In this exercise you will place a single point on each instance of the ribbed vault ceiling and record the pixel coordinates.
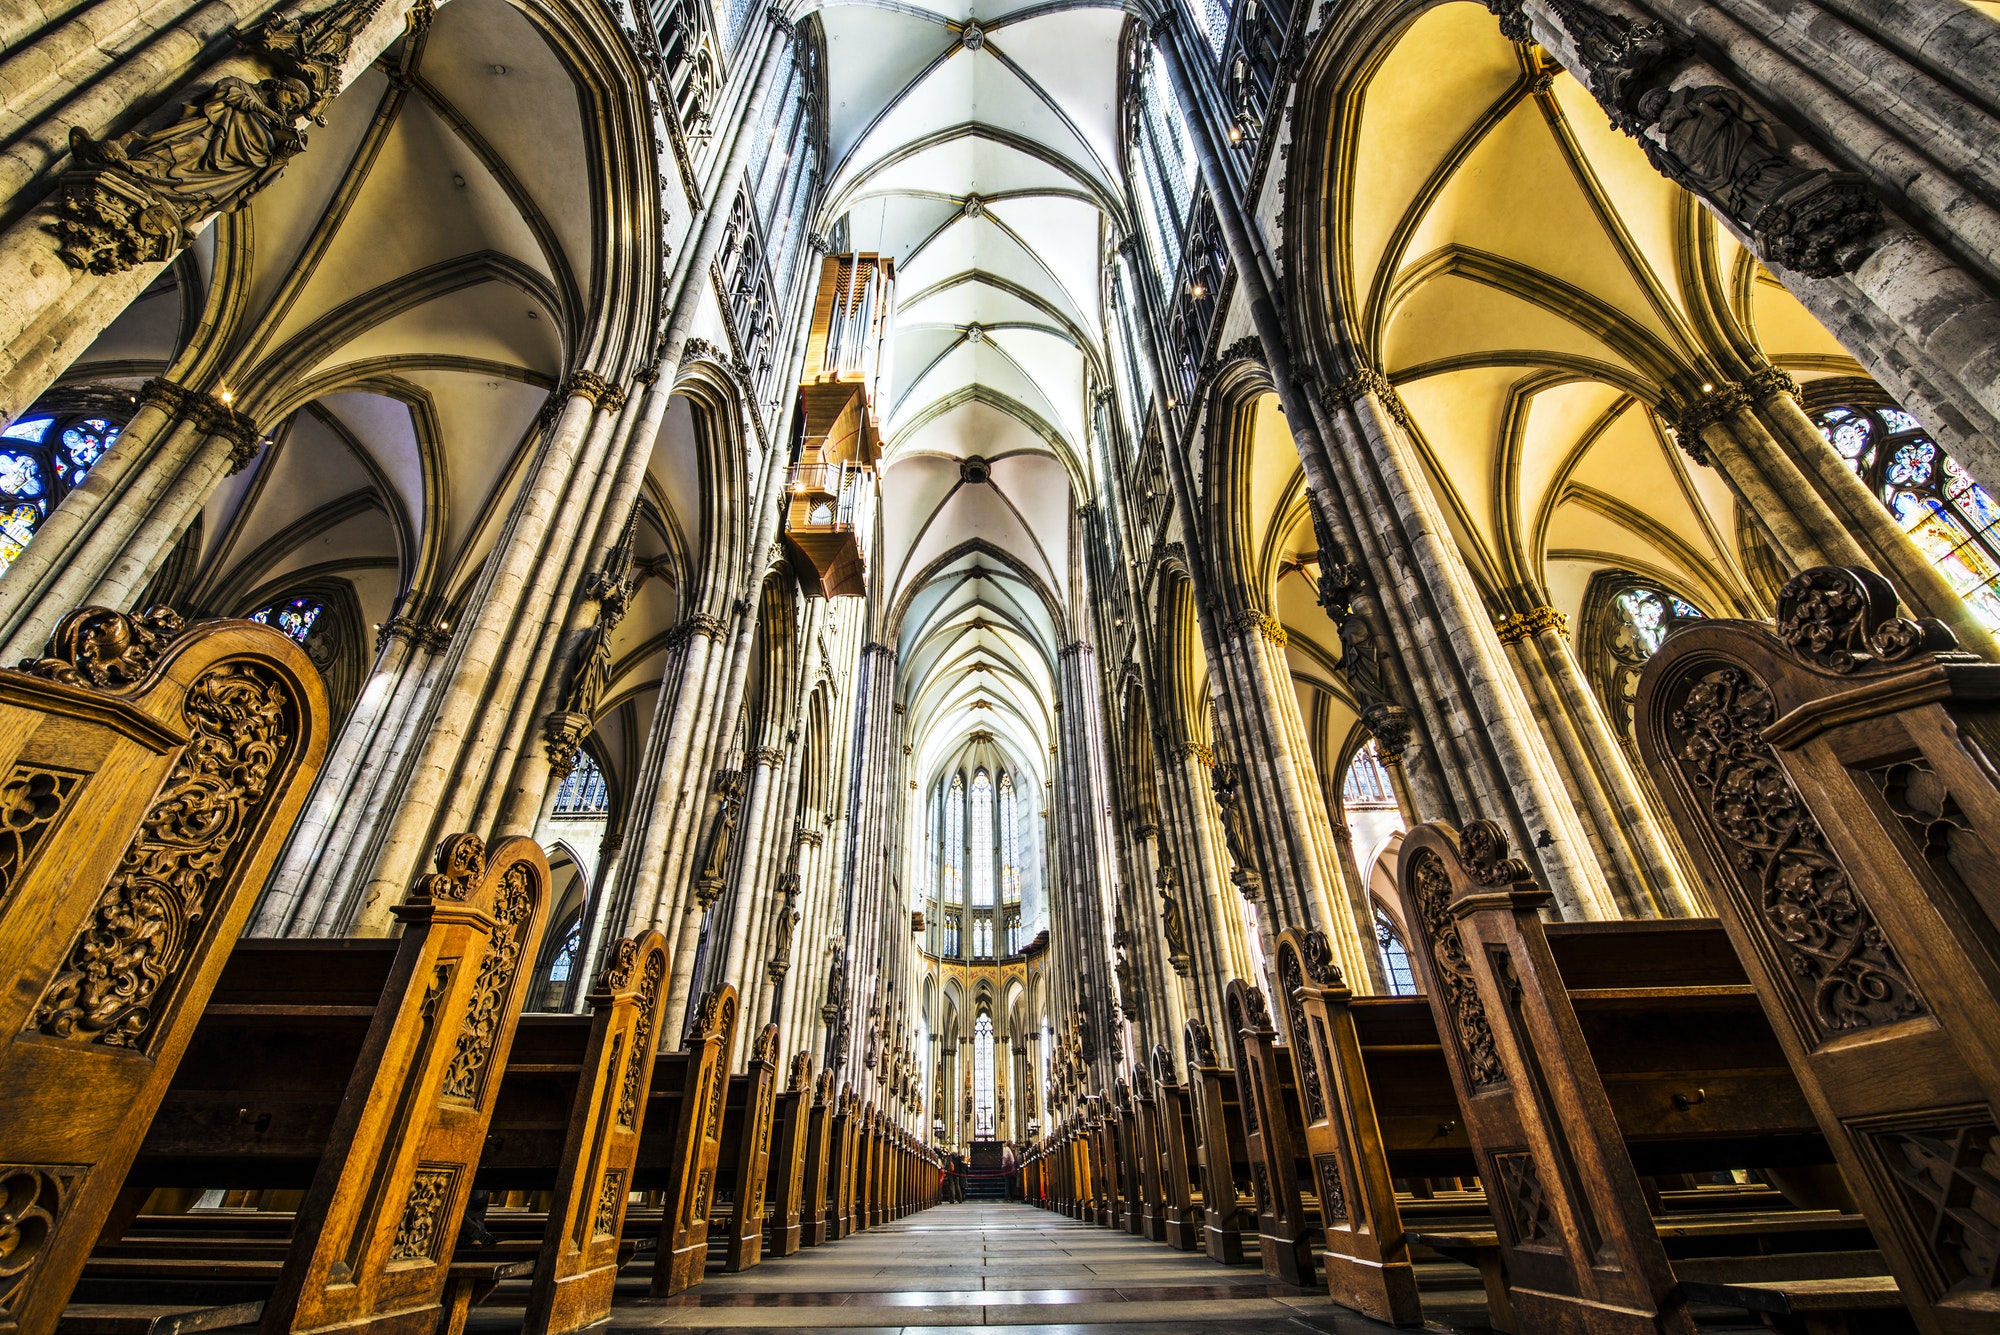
(978, 145)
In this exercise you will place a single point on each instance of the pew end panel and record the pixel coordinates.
(696, 1145)
(580, 1256)
(1574, 1230)
(151, 772)
(372, 1249)
(1366, 1259)
(1833, 777)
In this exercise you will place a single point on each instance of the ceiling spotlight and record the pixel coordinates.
(1707, 387)
(1197, 291)
(1235, 134)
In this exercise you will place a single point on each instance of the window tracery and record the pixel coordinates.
(952, 873)
(1626, 620)
(982, 1076)
(583, 792)
(980, 854)
(1395, 956)
(43, 457)
(1950, 517)
(296, 617)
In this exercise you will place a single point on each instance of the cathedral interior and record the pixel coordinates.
(1119, 666)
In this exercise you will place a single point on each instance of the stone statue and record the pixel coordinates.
(715, 857)
(1172, 924)
(1225, 781)
(1712, 141)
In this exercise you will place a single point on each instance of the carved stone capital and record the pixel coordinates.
(1367, 383)
(1524, 625)
(1714, 405)
(1772, 382)
(587, 385)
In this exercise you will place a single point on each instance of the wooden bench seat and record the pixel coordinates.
(1585, 1055)
(317, 1061)
(156, 1318)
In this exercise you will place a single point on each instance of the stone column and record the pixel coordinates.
(1488, 743)
(1638, 862)
(302, 897)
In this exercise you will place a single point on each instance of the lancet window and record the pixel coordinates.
(982, 1076)
(583, 793)
(951, 874)
(1626, 620)
(1395, 956)
(981, 855)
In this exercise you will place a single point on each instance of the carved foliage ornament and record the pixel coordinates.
(642, 1039)
(1292, 975)
(1846, 975)
(1454, 971)
(1843, 618)
(513, 914)
(122, 969)
(140, 197)
(32, 1199)
(97, 647)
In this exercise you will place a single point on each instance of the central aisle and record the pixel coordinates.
(996, 1265)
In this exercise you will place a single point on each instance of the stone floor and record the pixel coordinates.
(985, 1265)
(1015, 1266)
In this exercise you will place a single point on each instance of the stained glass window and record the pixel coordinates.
(583, 792)
(953, 852)
(1010, 844)
(980, 852)
(1626, 630)
(1395, 958)
(295, 617)
(565, 959)
(982, 1076)
(1949, 516)
(1167, 166)
(42, 458)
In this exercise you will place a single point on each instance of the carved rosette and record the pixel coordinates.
(124, 966)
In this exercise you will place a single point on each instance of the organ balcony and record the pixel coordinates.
(829, 523)
(830, 491)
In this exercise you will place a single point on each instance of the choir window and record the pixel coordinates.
(1010, 845)
(981, 856)
(953, 850)
(982, 1076)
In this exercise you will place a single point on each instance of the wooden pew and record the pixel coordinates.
(1131, 1184)
(1149, 1219)
(743, 1161)
(1267, 1090)
(1222, 1152)
(1832, 776)
(1181, 1218)
(151, 772)
(367, 1072)
(1376, 1102)
(684, 1164)
(1695, 1080)
(840, 1164)
(791, 1119)
(569, 1120)
(816, 1205)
